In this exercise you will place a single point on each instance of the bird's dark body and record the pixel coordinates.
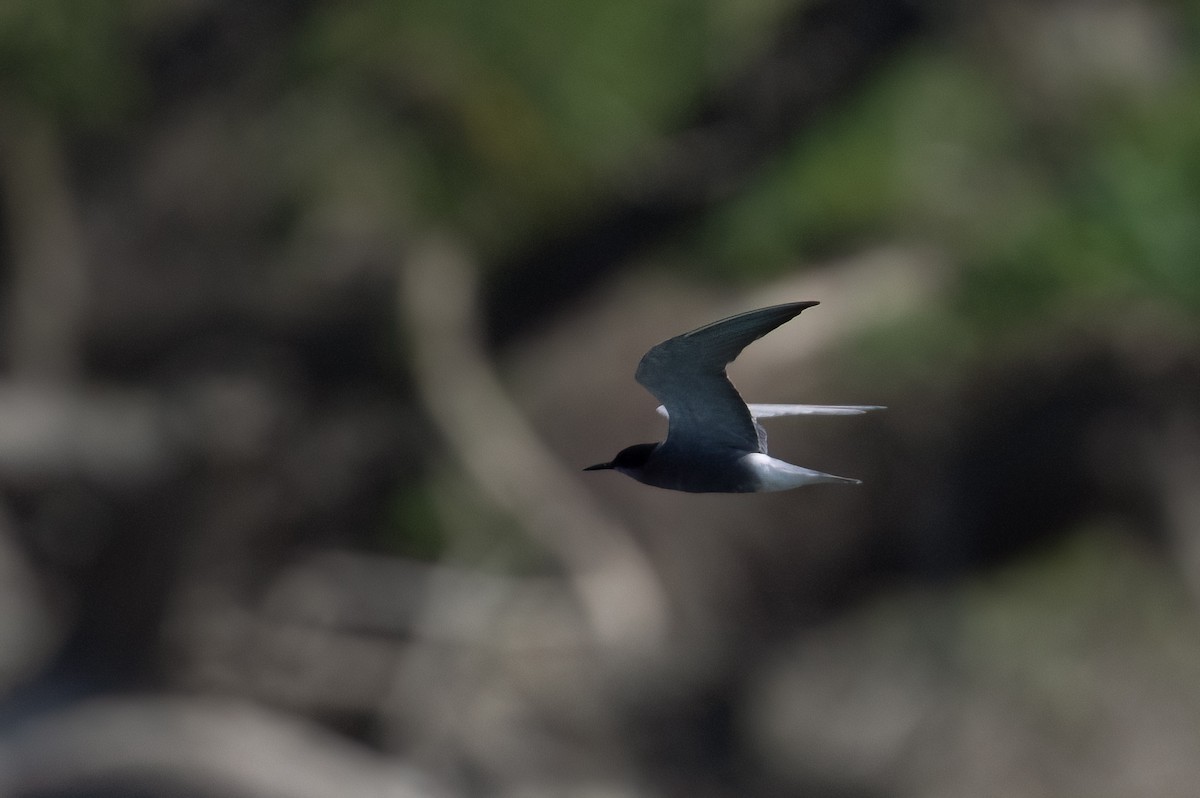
(714, 444)
(710, 471)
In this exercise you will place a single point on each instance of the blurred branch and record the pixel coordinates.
(202, 747)
(48, 432)
(1175, 453)
(621, 594)
(358, 618)
(29, 630)
(49, 291)
(872, 289)
(390, 597)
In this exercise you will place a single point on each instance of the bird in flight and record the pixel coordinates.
(714, 441)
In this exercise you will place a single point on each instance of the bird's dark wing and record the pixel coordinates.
(687, 374)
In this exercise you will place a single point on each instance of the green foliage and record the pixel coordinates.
(414, 529)
(1145, 172)
(916, 152)
(1047, 214)
(70, 57)
(502, 121)
(526, 110)
(524, 105)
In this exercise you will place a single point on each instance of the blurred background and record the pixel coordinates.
(312, 312)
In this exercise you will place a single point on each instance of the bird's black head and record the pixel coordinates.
(631, 458)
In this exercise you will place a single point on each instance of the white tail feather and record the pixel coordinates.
(776, 411)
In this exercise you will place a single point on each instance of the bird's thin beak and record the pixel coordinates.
(599, 467)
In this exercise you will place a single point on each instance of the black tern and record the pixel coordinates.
(714, 441)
